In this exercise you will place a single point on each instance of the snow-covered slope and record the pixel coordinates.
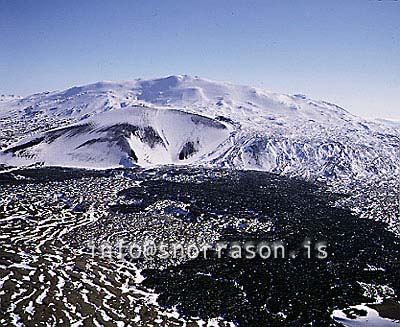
(224, 125)
(135, 135)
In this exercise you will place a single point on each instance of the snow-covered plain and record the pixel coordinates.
(225, 125)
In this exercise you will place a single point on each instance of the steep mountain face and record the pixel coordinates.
(181, 119)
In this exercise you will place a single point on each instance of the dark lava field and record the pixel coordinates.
(54, 221)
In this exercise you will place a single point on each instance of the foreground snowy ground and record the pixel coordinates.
(370, 319)
(46, 281)
(50, 276)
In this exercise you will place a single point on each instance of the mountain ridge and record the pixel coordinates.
(286, 134)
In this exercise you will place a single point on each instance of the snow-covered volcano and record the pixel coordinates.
(186, 120)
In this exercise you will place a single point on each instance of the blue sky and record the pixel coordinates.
(347, 52)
